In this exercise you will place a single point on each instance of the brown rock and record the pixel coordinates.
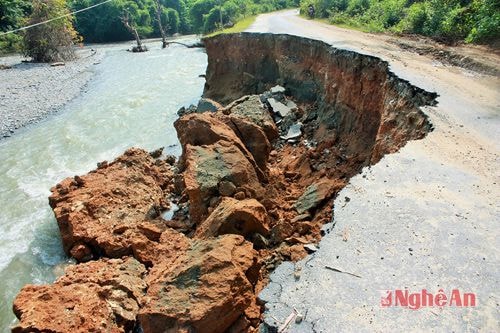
(254, 138)
(253, 110)
(170, 246)
(239, 195)
(226, 188)
(203, 290)
(242, 217)
(208, 165)
(81, 252)
(99, 296)
(102, 210)
(201, 129)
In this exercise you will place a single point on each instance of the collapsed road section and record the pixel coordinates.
(187, 245)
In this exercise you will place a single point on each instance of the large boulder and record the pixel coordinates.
(204, 289)
(254, 138)
(246, 217)
(99, 296)
(101, 212)
(251, 108)
(208, 166)
(201, 129)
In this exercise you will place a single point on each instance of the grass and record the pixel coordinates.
(240, 26)
(350, 26)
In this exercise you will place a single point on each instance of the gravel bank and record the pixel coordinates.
(29, 92)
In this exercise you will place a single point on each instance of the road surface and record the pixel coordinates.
(423, 218)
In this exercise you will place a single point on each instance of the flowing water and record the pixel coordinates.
(131, 101)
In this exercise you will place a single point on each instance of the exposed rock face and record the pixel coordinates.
(205, 289)
(207, 129)
(368, 108)
(194, 285)
(207, 166)
(213, 153)
(99, 296)
(101, 212)
(250, 108)
(246, 217)
(255, 139)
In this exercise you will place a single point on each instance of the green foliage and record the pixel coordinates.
(172, 20)
(13, 15)
(357, 7)
(198, 11)
(52, 41)
(485, 21)
(445, 20)
(414, 21)
(10, 43)
(325, 8)
(240, 26)
(104, 23)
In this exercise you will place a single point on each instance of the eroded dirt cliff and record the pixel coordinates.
(356, 101)
(194, 241)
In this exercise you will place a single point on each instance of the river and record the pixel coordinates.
(131, 101)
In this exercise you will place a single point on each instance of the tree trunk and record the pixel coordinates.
(133, 31)
(160, 26)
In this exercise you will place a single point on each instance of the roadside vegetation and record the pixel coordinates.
(240, 26)
(449, 21)
(105, 23)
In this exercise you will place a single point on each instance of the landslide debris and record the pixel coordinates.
(98, 296)
(194, 241)
(103, 212)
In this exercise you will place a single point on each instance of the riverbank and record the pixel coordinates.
(29, 92)
(131, 100)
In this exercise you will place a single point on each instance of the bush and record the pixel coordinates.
(414, 20)
(357, 7)
(52, 41)
(10, 43)
(485, 25)
(445, 20)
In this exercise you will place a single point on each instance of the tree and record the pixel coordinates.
(52, 41)
(132, 29)
(159, 11)
(12, 13)
(12, 16)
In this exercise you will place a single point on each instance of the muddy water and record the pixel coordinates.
(132, 101)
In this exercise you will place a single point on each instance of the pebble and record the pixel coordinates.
(32, 91)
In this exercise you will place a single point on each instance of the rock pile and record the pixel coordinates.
(249, 192)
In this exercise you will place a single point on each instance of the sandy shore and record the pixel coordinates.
(29, 92)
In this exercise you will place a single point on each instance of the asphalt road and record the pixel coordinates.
(423, 218)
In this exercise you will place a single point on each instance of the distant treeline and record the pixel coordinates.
(103, 23)
(475, 21)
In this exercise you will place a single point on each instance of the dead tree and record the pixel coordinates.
(164, 42)
(126, 22)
